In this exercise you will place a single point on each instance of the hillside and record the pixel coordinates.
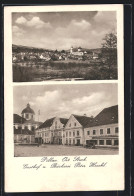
(18, 48)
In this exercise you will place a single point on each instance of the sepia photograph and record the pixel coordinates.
(58, 120)
(64, 46)
(63, 98)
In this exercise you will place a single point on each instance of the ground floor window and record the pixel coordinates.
(69, 141)
(66, 141)
(95, 142)
(116, 142)
(73, 142)
(101, 142)
(108, 142)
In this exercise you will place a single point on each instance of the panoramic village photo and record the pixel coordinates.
(65, 120)
(64, 46)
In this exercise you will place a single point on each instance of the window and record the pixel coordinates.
(52, 134)
(59, 133)
(101, 142)
(69, 141)
(69, 133)
(108, 130)
(27, 115)
(73, 133)
(70, 125)
(88, 132)
(66, 134)
(101, 131)
(108, 142)
(94, 132)
(116, 130)
(95, 142)
(77, 133)
(75, 124)
(66, 141)
(73, 142)
(32, 116)
(116, 142)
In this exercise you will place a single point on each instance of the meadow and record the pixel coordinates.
(63, 70)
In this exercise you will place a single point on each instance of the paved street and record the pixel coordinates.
(58, 150)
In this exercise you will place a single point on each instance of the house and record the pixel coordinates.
(103, 129)
(76, 51)
(95, 55)
(74, 129)
(51, 131)
(23, 135)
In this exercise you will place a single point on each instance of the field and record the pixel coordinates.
(63, 70)
(59, 150)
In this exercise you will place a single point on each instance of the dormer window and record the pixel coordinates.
(70, 125)
(75, 124)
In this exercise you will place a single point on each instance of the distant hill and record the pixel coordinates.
(20, 47)
(28, 48)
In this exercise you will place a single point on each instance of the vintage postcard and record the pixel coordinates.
(64, 98)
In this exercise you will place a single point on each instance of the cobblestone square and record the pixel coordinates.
(59, 150)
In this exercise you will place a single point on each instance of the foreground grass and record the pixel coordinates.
(49, 71)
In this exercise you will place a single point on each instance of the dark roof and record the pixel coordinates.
(83, 120)
(24, 131)
(47, 123)
(32, 121)
(63, 120)
(27, 110)
(18, 119)
(106, 116)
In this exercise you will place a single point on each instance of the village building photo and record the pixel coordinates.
(64, 120)
(64, 46)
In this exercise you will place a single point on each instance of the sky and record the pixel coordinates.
(61, 30)
(64, 99)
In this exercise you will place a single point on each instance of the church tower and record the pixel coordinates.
(28, 113)
(71, 50)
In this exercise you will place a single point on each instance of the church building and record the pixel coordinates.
(25, 125)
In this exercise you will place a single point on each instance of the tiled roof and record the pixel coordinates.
(23, 131)
(18, 119)
(63, 120)
(32, 121)
(106, 116)
(47, 123)
(83, 120)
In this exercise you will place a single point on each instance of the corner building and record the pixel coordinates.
(103, 130)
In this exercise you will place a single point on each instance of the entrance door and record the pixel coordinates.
(78, 142)
(60, 141)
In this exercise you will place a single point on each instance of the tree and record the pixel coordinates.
(109, 51)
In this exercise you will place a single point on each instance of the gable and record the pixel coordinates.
(57, 124)
(72, 123)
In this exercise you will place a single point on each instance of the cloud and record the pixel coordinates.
(80, 24)
(17, 30)
(21, 20)
(34, 22)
